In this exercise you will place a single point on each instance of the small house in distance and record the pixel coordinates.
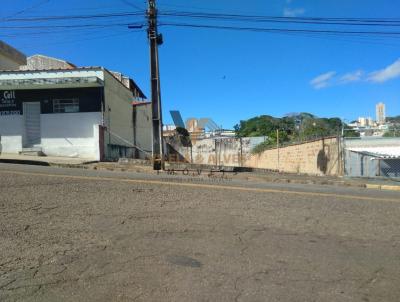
(68, 111)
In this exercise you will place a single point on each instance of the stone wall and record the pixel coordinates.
(224, 151)
(319, 157)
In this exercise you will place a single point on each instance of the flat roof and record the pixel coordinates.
(392, 152)
(74, 69)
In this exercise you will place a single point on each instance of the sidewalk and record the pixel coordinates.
(42, 160)
(141, 166)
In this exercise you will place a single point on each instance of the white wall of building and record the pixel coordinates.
(11, 130)
(71, 134)
(62, 134)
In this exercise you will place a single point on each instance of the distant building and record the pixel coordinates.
(10, 58)
(380, 113)
(41, 62)
(365, 122)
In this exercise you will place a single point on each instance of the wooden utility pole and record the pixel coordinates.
(155, 39)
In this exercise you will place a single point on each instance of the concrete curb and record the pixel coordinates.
(383, 187)
(144, 169)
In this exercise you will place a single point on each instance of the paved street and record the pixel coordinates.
(78, 235)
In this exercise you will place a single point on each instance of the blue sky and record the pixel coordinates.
(230, 75)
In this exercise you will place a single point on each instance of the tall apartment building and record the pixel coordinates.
(380, 113)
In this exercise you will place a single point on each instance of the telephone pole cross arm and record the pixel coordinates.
(155, 39)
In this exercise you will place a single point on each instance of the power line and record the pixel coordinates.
(26, 9)
(130, 4)
(72, 26)
(259, 29)
(228, 17)
(258, 19)
(261, 17)
(76, 17)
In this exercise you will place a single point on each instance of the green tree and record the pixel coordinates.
(393, 132)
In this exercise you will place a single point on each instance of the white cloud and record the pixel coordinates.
(293, 12)
(386, 74)
(354, 76)
(323, 80)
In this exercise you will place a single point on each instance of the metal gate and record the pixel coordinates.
(32, 124)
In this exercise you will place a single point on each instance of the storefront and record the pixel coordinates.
(74, 113)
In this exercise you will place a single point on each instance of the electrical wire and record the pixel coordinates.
(265, 17)
(260, 29)
(25, 10)
(76, 17)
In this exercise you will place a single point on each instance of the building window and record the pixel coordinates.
(66, 105)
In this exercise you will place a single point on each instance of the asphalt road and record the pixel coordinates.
(77, 235)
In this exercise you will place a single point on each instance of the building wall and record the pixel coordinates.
(71, 134)
(11, 130)
(40, 62)
(75, 134)
(372, 142)
(7, 63)
(10, 58)
(89, 98)
(62, 134)
(118, 115)
(143, 130)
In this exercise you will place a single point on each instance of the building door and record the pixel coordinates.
(32, 124)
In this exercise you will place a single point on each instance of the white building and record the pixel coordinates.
(81, 112)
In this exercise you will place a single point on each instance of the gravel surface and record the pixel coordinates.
(66, 237)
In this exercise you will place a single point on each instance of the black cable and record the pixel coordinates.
(77, 17)
(25, 10)
(71, 26)
(180, 13)
(259, 29)
(281, 20)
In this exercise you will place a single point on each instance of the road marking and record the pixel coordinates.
(203, 186)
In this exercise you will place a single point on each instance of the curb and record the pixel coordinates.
(383, 187)
(24, 162)
(254, 177)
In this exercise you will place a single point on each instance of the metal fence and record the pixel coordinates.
(367, 158)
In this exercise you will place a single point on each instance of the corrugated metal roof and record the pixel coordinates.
(379, 152)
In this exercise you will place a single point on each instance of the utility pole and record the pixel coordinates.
(155, 39)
